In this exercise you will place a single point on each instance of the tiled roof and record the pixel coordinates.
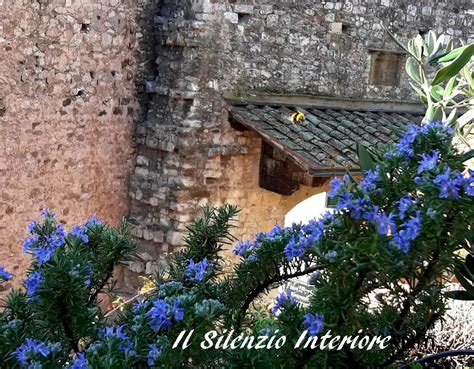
(325, 143)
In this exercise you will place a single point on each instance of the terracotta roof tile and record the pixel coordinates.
(326, 140)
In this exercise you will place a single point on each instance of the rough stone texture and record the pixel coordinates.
(68, 102)
(189, 154)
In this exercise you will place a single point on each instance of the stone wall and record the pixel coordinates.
(68, 102)
(188, 154)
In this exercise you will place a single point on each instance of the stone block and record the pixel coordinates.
(158, 236)
(142, 160)
(243, 9)
(266, 9)
(174, 238)
(142, 172)
(136, 266)
(147, 235)
(231, 17)
(335, 27)
(152, 267)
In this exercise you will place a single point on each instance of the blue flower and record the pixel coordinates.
(161, 313)
(413, 226)
(93, 221)
(47, 213)
(274, 233)
(30, 243)
(407, 233)
(440, 129)
(43, 254)
(428, 162)
(293, 249)
(117, 332)
(197, 271)
(469, 184)
(418, 180)
(154, 354)
(32, 347)
(335, 185)
(404, 205)
(178, 313)
(345, 201)
(243, 247)
(283, 299)
(404, 147)
(32, 283)
(31, 228)
(80, 362)
(370, 180)
(370, 213)
(4, 275)
(449, 184)
(80, 233)
(314, 324)
(385, 224)
(359, 208)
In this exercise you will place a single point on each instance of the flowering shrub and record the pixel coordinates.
(378, 267)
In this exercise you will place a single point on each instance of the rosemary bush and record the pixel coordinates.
(393, 239)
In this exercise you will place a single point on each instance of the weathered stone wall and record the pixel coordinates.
(324, 47)
(188, 154)
(68, 101)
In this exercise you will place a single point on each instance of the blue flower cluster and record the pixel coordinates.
(405, 148)
(362, 208)
(197, 271)
(43, 246)
(273, 235)
(337, 186)
(80, 362)
(308, 235)
(162, 312)
(283, 299)
(370, 180)
(32, 350)
(154, 354)
(313, 323)
(80, 233)
(245, 249)
(449, 184)
(33, 283)
(117, 333)
(408, 232)
(385, 223)
(93, 221)
(428, 162)
(4, 274)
